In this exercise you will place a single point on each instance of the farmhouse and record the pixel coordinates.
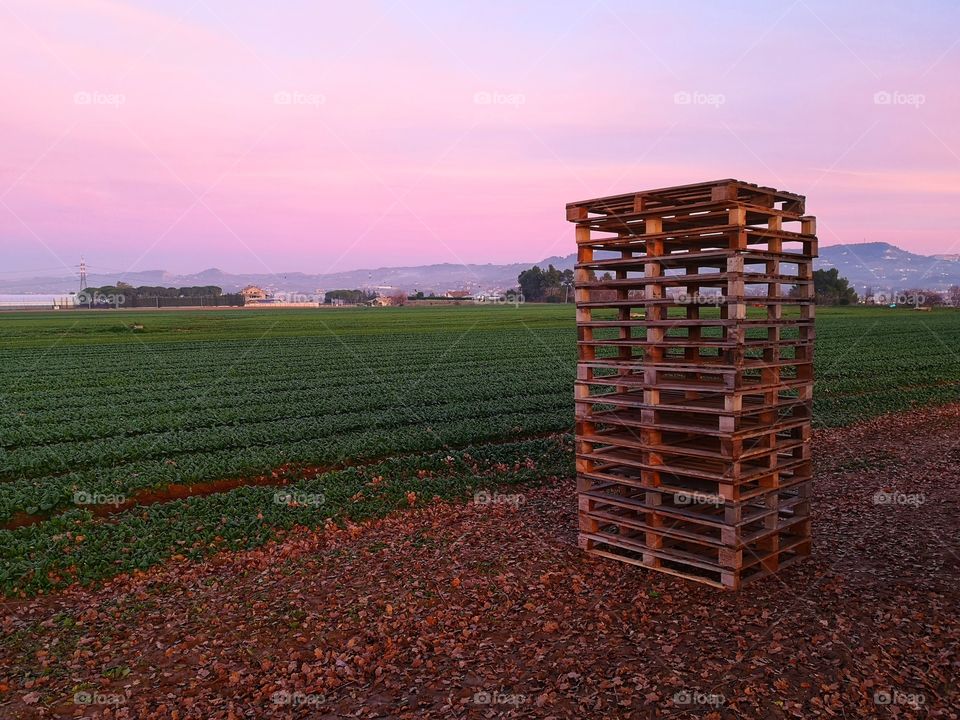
(390, 297)
(252, 292)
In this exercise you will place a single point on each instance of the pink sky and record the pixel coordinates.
(321, 136)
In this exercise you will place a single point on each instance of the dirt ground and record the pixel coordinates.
(491, 611)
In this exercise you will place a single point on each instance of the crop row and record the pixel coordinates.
(46, 494)
(39, 393)
(216, 410)
(39, 460)
(76, 547)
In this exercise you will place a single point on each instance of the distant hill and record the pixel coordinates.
(438, 278)
(878, 265)
(882, 265)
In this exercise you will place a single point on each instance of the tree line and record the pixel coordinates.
(125, 295)
(348, 297)
(830, 288)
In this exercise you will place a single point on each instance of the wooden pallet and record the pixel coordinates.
(695, 327)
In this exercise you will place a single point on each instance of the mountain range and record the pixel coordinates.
(876, 264)
(439, 278)
(884, 266)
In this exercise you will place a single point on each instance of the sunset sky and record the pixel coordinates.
(327, 136)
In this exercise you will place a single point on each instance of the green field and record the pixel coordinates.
(436, 401)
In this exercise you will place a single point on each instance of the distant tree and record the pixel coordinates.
(532, 284)
(200, 291)
(348, 297)
(554, 294)
(156, 296)
(105, 296)
(550, 285)
(157, 291)
(552, 277)
(831, 288)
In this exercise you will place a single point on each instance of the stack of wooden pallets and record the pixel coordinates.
(694, 391)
